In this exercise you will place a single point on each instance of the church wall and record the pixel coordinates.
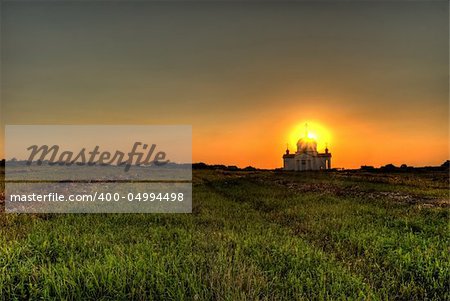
(303, 162)
(289, 164)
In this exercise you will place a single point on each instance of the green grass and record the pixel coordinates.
(251, 236)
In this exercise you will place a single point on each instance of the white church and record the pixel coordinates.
(306, 157)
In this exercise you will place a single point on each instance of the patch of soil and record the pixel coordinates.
(357, 191)
(2, 201)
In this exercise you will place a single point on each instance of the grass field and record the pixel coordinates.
(251, 236)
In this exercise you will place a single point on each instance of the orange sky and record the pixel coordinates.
(352, 141)
(372, 76)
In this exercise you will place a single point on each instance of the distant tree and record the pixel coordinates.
(219, 166)
(446, 164)
(249, 168)
(389, 167)
(2, 162)
(200, 165)
(232, 168)
(367, 167)
(403, 166)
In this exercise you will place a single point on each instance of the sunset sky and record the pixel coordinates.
(370, 79)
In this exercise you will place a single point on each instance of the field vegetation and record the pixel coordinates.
(252, 236)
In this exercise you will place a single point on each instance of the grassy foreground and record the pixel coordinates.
(251, 236)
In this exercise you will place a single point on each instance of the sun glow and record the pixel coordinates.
(311, 130)
(312, 136)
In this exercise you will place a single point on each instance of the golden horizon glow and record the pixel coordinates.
(314, 130)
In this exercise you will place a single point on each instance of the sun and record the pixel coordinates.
(310, 129)
(312, 136)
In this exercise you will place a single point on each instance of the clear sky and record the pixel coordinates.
(371, 78)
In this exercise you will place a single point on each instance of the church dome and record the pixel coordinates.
(306, 145)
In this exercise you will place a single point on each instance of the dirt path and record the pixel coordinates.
(358, 191)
